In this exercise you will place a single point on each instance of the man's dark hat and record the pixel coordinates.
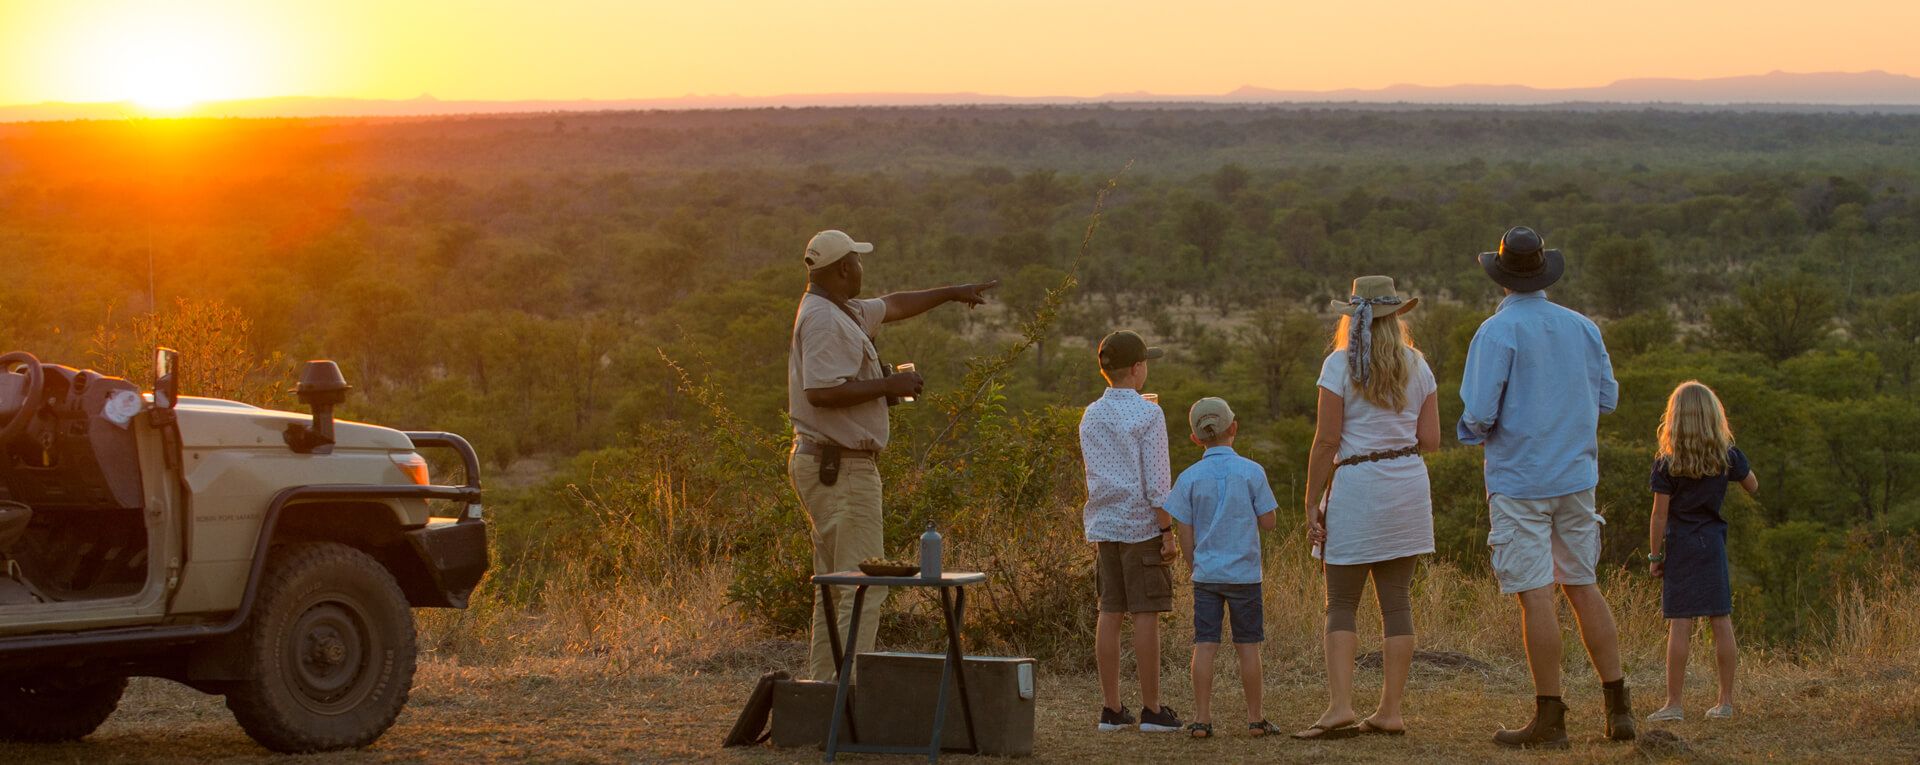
(1523, 263)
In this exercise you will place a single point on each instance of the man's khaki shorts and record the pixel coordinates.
(1133, 579)
(1539, 542)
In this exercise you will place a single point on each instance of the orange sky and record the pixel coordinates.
(181, 51)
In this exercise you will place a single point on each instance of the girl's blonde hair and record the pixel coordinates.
(1393, 354)
(1694, 435)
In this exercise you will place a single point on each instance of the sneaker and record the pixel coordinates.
(1722, 712)
(1163, 720)
(1670, 714)
(1111, 721)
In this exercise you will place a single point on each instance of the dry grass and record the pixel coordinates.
(628, 630)
(589, 709)
(644, 673)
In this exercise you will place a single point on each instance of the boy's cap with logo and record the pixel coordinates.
(1210, 417)
(829, 246)
(1123, 349)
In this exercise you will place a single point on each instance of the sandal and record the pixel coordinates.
(1318, 732)
(1368, 727)
(1262, 729)
(1200, 730)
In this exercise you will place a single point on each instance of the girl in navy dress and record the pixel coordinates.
(1688, 536)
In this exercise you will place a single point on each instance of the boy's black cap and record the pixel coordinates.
(1123, 349)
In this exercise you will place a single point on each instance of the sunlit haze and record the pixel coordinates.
(172, 54)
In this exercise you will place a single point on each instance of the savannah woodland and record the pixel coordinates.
(602, 303)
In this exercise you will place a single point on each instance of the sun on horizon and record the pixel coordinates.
(160, 63)
(166, 73)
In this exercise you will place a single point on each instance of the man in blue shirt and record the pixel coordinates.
(1221, 504)
(1537, 380)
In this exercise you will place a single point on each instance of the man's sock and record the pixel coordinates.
(1613, 685)
(1546, 698)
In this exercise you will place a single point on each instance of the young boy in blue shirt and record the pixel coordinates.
(1220, 505)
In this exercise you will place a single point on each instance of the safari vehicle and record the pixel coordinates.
(268, 557)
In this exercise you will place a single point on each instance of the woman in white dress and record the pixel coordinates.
(1377, 414)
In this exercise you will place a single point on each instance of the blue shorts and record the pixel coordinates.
(1241, 601)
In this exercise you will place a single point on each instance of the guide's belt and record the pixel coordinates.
(817, 449)
(1392, 454)
(830, 456)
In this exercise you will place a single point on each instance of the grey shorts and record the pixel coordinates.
(1540, 542)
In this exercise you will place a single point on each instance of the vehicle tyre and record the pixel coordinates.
(329, 651)
(46, 710)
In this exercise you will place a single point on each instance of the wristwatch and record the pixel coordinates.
(1656, 557)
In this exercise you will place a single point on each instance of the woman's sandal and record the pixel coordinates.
(1262, 729)
(1318, 732)
(1367, 727)
(1200, 730)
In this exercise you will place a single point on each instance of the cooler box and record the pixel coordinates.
(801, 711)
(896, 699)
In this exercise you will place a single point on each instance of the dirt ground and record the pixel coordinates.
(581, 711)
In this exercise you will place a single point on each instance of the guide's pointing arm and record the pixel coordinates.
(906, 305)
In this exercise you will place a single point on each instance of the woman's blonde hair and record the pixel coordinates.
(1694, 435)
(1393, 353)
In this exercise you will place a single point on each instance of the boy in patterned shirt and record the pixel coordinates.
(1123, 439)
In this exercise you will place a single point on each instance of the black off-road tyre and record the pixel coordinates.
(329, 651)
(48, 710)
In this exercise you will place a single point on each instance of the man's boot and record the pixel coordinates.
(1619, 710)
(1548, 729)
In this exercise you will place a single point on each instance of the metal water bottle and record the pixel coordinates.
(930, 553)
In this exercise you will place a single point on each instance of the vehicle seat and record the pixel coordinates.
(95, 463)
(13, 523)
(14, 518)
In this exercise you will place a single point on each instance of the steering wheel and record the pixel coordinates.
(20, 363)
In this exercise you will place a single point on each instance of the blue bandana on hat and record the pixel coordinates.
(1368, 293)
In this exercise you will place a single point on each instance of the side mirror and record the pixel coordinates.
(166, 378)
(321, 387)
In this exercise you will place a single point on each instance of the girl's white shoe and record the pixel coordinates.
(1722, 712)
(1673, 714)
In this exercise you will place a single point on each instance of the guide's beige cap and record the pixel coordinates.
(829, 246)
(1210, 418)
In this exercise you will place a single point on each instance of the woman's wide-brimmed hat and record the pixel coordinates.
(1377, 291)
(1523, 263)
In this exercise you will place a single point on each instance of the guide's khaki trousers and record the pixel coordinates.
(847, 529)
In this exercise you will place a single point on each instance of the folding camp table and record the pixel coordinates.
(953, 604)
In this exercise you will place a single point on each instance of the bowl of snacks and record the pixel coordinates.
(878, 567)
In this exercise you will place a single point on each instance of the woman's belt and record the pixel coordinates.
(1392, 454)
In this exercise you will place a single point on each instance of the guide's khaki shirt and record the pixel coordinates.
(829, 349)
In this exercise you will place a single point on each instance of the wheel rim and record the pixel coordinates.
(328, 654)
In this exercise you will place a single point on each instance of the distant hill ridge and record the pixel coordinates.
(1819, 88)
(1846, 90)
